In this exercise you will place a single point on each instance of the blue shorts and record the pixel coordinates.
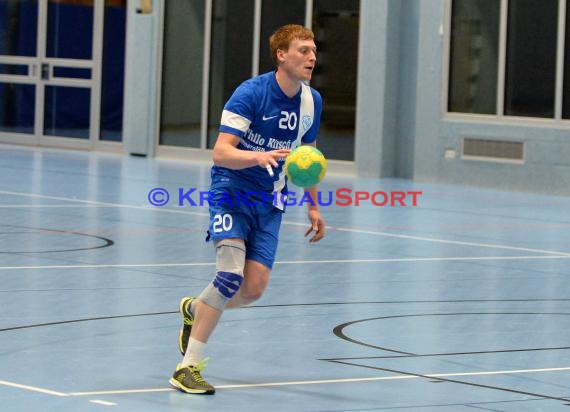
(254, 221)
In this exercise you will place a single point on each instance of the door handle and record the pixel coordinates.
(45, 71)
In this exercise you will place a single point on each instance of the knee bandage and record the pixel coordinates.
(230, 261)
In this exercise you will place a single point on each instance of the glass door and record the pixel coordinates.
(18, 66)
(50, 72)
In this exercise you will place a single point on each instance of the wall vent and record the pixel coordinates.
(493, 150)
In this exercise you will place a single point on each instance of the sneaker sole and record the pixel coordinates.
(181, 310)
(183, 388)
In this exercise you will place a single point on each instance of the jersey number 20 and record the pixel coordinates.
(288, 120)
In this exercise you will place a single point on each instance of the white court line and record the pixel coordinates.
(32, 388)
(49, 392)
(295, 262)
(103, 402)
(454, 242)
(105, 204)
(48, 206)
(287, 383)
(341, 229)
(330, 381)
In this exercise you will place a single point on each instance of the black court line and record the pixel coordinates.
(106, 242)
(392, 302)
(441, 379)
(339, 330)
(427, 355)
(64, 322)
(338, 361)
(404, 354)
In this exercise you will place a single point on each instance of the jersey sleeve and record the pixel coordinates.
(311, 134)
(238, 111)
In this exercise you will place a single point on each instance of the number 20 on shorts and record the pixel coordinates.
(222, 223)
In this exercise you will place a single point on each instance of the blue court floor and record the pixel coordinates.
(460, 303)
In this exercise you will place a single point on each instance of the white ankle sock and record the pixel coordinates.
(193, 353)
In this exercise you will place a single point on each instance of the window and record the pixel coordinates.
(209, 51)
(274, 14)
(113, 70)
(230, 56)
(510, 70)
(336, 24)
(474, 56)
(531, 58)
(182, 66)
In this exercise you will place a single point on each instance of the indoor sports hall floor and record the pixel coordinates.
(461, 303)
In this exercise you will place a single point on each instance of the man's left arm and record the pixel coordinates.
(317, 221)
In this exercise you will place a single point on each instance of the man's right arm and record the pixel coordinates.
(226, 154)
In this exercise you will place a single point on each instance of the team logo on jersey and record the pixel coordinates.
(307, 122)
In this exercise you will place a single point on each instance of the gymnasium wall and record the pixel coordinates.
(402, 129)
(413, 141)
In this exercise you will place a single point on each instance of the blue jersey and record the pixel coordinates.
(266, 119)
